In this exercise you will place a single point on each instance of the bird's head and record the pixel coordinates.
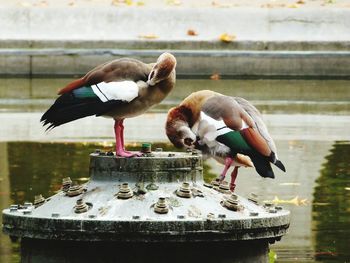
(177, 127)
(165, 64)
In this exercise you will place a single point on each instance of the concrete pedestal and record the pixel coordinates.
(155, 208)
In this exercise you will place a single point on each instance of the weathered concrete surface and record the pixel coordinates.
(279, 41)
(111, 221)
(201, 217)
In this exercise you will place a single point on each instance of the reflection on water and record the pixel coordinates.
(34, 168)
(272, 96)
(331, 206)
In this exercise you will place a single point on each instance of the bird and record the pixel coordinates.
(222, 154)
(220, 123)
(119, 89)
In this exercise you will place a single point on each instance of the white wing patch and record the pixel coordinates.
(119, 90)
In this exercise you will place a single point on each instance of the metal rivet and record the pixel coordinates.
(66, 183)
(81, 206)
(253, 214)
(75, 190)
(232, 202)
(13, 209)
(184, 190)
(27, 204)
(161, 207)
(208, 185)
(136, 217)
(224, 188)
(221, 216)
(215, 182)
(210, 216)
(38, 200)
(171, 154)
(180, 217)
(125, 191)
(253, 198)
(268, 204)
(55, 215)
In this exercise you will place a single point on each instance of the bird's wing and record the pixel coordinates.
(237, 118)
(125, 69)
(259, 123)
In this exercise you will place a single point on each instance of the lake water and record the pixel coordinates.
(309, 120)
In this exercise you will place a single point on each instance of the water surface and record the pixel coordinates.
(309, 120)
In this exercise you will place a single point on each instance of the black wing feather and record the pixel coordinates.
(68, 108)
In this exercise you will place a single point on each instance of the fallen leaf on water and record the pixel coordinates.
(293, 6)
(294, 201)
(192, 32)
(215, 76)
(227, 38)
(149, 36)
(300, 2)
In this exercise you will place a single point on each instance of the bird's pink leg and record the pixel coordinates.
(233, 178)
(228, 162)
(119, 140)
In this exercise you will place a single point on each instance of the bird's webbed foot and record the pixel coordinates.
(127, 154)
(228, 163)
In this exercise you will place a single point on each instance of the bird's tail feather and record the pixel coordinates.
(68, 108)
(275, 161)
(262, 166)
(280, 165)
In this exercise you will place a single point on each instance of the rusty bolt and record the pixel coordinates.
(161, 207)
(125, 191)
(184, 190)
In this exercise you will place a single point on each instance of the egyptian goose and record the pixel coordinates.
(122, 88)
(214, 120)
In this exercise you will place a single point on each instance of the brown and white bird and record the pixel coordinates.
(122, 88)
(214, 121)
